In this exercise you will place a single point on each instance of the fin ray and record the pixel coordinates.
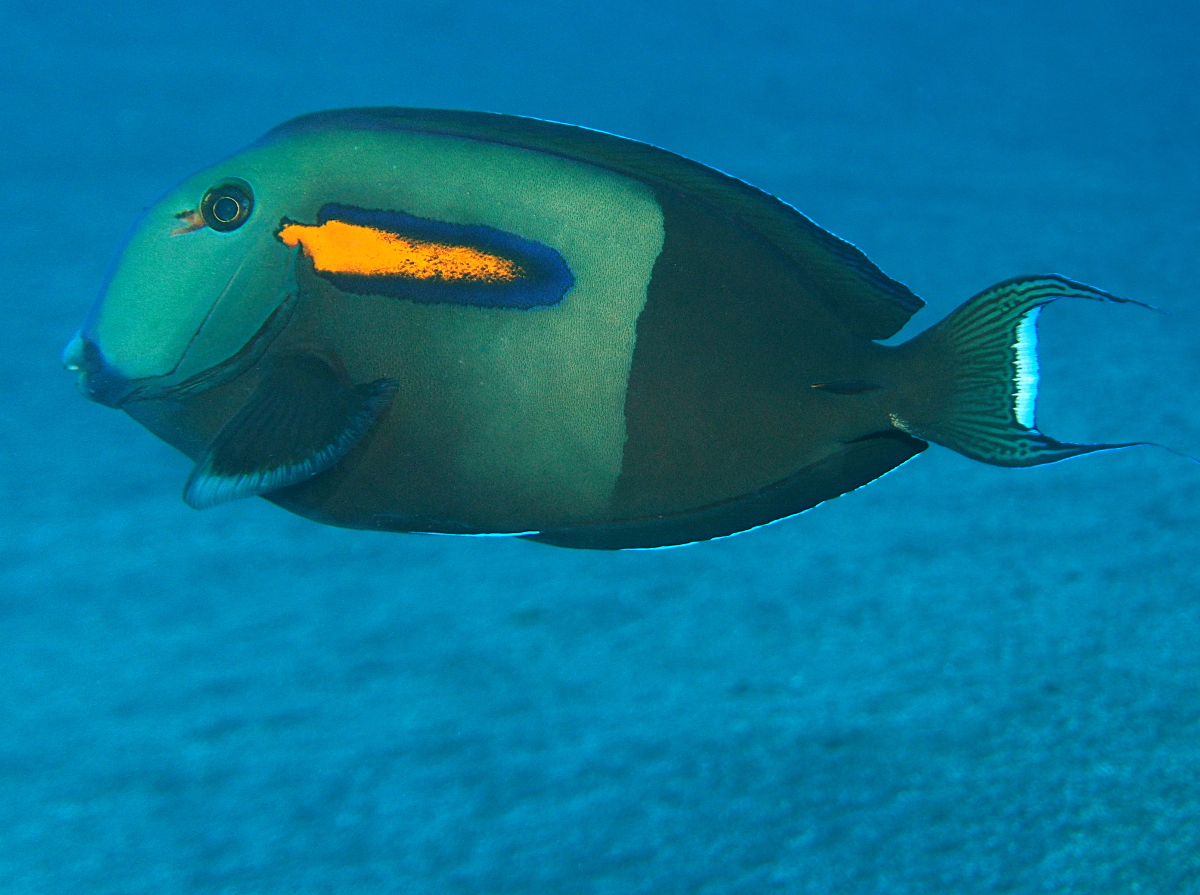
(985, 405)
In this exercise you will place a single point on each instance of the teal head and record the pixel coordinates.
(201, 274)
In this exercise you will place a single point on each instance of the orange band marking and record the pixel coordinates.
(338, 247)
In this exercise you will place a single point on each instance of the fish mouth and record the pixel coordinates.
(99, 381)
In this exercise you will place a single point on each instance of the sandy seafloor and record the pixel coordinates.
(959, 679)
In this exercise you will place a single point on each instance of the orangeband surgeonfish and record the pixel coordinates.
(421, 320)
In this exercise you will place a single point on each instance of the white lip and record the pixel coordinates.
(72, 357)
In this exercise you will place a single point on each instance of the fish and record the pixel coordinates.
(423, 320)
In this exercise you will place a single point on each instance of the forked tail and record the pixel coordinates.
(978, 375)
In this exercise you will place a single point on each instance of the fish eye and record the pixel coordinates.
(226, 206)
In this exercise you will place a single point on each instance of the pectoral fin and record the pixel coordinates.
(301, 419)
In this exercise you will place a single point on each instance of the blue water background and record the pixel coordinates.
(960, 679)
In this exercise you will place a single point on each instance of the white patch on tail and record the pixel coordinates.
(1027, 369)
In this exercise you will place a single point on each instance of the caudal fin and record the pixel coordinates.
(980, 372)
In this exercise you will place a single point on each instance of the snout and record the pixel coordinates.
(98, 381)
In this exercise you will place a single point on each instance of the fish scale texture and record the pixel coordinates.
(958, 680)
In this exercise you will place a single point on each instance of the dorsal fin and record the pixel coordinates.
(870, 302)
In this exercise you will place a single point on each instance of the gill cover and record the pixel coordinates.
(199, 276)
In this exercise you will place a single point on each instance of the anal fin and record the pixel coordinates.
(850, 466)
(301, 419)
